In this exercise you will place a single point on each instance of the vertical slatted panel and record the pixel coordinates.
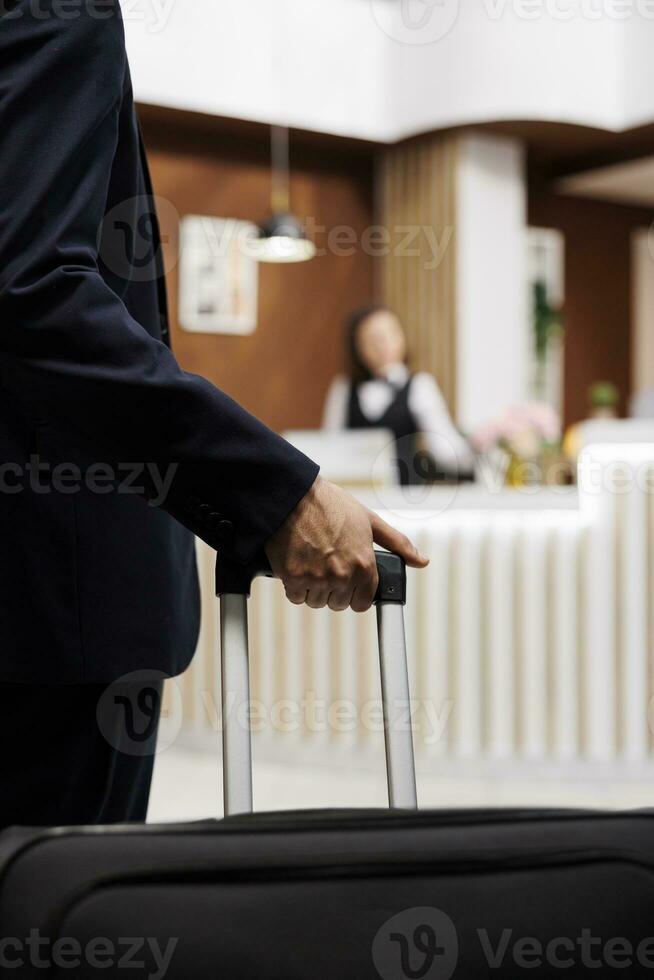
(418, 208)
(497, 621)
(564, 684)
(367, 666)
(296, 652)
(650, 609)
(429, 198)
(532, 641)
(500, 617)
(346, 676)
(466, 665)
(263, 653)
(285, 717)
(320, 672)
(370, 685)
(472, 649)
(411, 623)
(433, 640)
(599, 628)
(633, 597)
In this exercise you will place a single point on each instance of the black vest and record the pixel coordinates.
(414, 465)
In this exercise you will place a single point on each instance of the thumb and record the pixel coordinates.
(393, 540)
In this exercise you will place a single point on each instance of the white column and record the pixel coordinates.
(491, 292)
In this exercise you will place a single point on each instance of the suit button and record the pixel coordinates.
(204, 512)
(214, 520)
(225, 533)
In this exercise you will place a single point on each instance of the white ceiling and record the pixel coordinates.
(368, 69)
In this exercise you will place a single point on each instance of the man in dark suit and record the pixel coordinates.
(111, 456)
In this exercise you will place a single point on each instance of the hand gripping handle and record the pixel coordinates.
(233, 584)
(235, 579)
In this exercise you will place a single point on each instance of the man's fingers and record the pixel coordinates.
(295, 593)
(393, 540)
(362, 599)
(340, 599)
(366, 583)
(323, 550)
(317, 598)
(356, 590)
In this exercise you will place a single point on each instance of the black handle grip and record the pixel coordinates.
(236, 579)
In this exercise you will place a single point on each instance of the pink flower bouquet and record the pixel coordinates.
(522, 430)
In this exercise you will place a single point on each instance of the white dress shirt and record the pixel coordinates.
(441, 438)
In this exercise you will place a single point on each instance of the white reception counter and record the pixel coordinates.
(529, 634)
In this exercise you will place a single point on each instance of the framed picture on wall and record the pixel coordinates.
(218, 280)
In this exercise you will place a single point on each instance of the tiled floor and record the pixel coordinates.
(187, 786)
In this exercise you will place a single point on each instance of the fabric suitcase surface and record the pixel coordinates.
(433, 894)
(396, 894)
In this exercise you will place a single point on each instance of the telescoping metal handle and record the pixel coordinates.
(233, 584)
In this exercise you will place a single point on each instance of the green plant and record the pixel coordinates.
(546, 320)
(603, 394)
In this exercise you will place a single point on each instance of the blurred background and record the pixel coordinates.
(416, 237)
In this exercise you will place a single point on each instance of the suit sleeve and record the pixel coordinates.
(448, 447)
(68, 345)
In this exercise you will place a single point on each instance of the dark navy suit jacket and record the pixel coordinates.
(94, 580)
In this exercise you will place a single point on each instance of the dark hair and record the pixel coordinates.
(356, 369)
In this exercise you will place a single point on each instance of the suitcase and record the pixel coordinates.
(397, 894)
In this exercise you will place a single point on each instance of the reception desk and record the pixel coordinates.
(529, 634)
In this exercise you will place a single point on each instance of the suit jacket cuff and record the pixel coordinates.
(238, 523)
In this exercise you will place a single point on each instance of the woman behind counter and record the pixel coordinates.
(380, 392)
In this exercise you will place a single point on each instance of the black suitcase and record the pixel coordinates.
(399, 894)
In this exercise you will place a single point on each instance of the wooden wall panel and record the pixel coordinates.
(281, 373)
(598, 290)
(207, 166)
(417, 187)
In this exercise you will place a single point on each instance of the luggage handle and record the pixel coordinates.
(233, 584)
